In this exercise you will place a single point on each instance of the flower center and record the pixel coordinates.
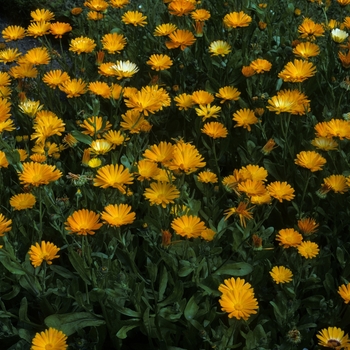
(48, 346)
(238, 307)
(333, 343)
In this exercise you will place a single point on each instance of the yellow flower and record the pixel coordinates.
(83, 222)
(30, 108)
(281, 274)
(82, 44)
(180, 38)
(96, 5)
(116, 138)
(113, 42)
(9, 55)
(100, 146)
(22, 201)
(288, 237)
(37, 56)
(37, 174)
(281, 191)
(260, 65)
(336, 183)
(253, 172)
(100, 88)
(162, 153)
(306, 50)
(134, 17)
(219, 48)
(237, 19)
(228, 93)
(39, 158)
(58, 29)
(344, 292)
(53, 78)
(308, 249)
(133, 121)
(252, 187)
(49, 339)
(215, 130)
(95, 126)
(119, 3)
(325, 143)
(42, 15)
(188, 226)
(184, 101)
(5, 225)
(118, 215)
(297, 71)
(207, 177)
(36, 29)
(307, 226)
(164, 29)
(310, 30)
(242, 211)
(181, 7)
(289, 101)
(202, 97)
(338, 128)
(24, 70)
(245, 118)
(13, 33)
(44, 251)
(147, 169)
(161, 193)
(200, 15)
(238, 298)
(47, 126)
(333, 337)
(208, 234)
(113, 176)
(160, 62)
(76, 11)
(73, 87)
(310, 160)
(5, 108)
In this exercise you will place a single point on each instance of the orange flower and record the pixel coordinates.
(289, 238)
(45, 251)
(73, 87)
(113, 42)
(13, 33)
(180, 7)
(181, 38)
(260, 65)
(281, 191)
(135, 18)
(297, 71)
(310, 160)
(245, 118)
(82, 44)
(310, 30)
(118, 215)
(237, 19)
(58, 29)
(83, 222)
(188, 226)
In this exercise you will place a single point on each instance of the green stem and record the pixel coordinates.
(309, 175)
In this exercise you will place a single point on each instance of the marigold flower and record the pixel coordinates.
(260, 65)
(252, 187)
(9, 55)
(310, 160)
(124, 69)
(162, 153)
(96, 5)
(59, 28)
(113, 42)
(339, 35)
(181, 38)
(338, 128)
(207, 111)
(53, 78)
(116, 138)
(5, 225)
(100, 146)
(146, 169)
(44, 251)
(13, 33)
(100, 88)
(336, 183)
(242, 211)
(219, 48)
(134, 17)
(49, 338)
(37, 56)
(82, 44)
(215, 130)
(181, 7)
(281, 274)
(297, 71)
(281, 191)
(188, 226)
(333, 337)
(207, 177)
(73, 87)
(310, 30)
(289, 101)
(5, 79)
(343, 2)
(83, 222)
(288, 237)
(228, 93)
(164, 29)
(36, 29)
(161, 193)
(308, 249)
(248, 71)
(237, 19)
(160, 62)
(24, 70)
(47, 126)
(238, 298)
(76, 11)
(119, 3)
(42, 15)
(245, 118)
(307, 226)
(113, 176)
(94, 16)
(22, 201)
(253, 172)
(325, 143)
(344, 292)
(5, 108)
(345, 59)
(202, 97)
(184, 101)
(37, 174)
(306, 50)
(133, 121)
(118, 215)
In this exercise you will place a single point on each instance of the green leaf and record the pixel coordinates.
(12, 266)
(72, 322)
(235, 269)
(121, 334)
(82, 137)
(163, 282)
(61, 271)
(78, 263)
(191, 309)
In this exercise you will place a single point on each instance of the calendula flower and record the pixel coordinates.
(219, 48)
(261, 65)
(245, 118)
(325, 143)
(9, 55)
(242, 211)
(184, 101)
(289, 101)
(308, 249)
(13, 33)
(124, 69)
(45, 251)
(5, 225)
(336, 183)
(344, 292)
(207, 177)
(82, 45)
(345, 59)
(200, 15)
(36, 174)
(76, 11)
(94, 16)
(252, 187)
(164, 29)
(297, 71)
(113, 42)
(202, 97)
(116, 91)
(73, 87)
(134, 17)
(253, 172)
(53, 78)
(116, 138)
(333, 337)
(288, 237)
(100, 88)
(30, 108)
(37, 56)
(39, 158)
(42, 15)
(5, 91)
(118, 215)
(7, 126)
(161, 153)
(339, 35)
(119, 3)
(186, 158)
(113, 176)
(5, 79)
(338, 128)
(59, 28)
(238, 298)
(50, 338)
(5, 108)
(188, 226)
(215, 130)
(3, 160)
(100, 146)
(146, 169)
(281, 191)
(306, 50)
(160, 62)
(180, 38)
(228, 93)
(22, 201)
(161, 193)
(47, 126)
(36, 29)
(261, 199)
(237, 19)
(307, 226)
(133, 121)
(96, 5)
(281, 274)
(310, 160)
(83, 222)
(310, 30)
(248, 71)
(181, 7)
(207, 111)
(23, 70)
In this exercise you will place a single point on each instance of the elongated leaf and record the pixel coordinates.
(235, 269)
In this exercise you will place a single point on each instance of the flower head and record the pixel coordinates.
(281, 191)
(5, 225)
(297, 71)
(83, 222)
(281, 274)
(310, 30)
(113, 42)
(53, 78)
(228, 93)
(344, 292)
(36, 29)
(207, 177)
(308, 249)
(339, 35)
(36, 174)
(22, 201)
(289, 101)
(9, 55)
(310, 160)
(160, 62)
(306, 50)
(242, 211)
(188, 226)
(288, 237)
(333, 337)
(135, 18)
(245, 118)
(237, 19)
(164, 29)
(181, 38)
(160, 193)
(215, 130)
(261, 65)
(181, 7)
(13, 33)
(49, 339)
(307, 226)
(58, 29)
(73, 87)
(41, 15)
(124, 69)
(82, 45)
(118, 215)
(336, 183)
(45, 251)
(162, 153)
